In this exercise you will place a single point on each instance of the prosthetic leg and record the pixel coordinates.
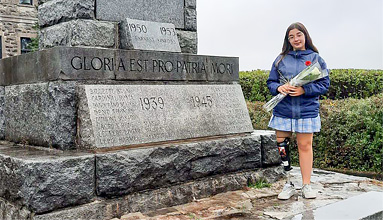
(284, 152)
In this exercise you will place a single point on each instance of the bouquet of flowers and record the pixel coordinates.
(309, 74)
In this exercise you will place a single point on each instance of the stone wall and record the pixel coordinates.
(63, 21)
(16, 21)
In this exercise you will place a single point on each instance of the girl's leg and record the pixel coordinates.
(305, 149)
(288, 189)
(281, 135)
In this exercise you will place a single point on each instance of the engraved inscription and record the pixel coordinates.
(168, 31)
(144, 65)
(133, 114)
(152, 103)
(140, 28)
(146, 35)
(205, 101)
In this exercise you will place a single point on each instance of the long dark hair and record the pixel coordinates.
(286, 43)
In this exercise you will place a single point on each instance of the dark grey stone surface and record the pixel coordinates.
(191, 4)
(100, 209)
(201, 188)
(123, 115)
(9, 211)
(57, 11)
(190, 19)
(2, 117)
(53, 64)
(2, 74)
(167, 11)
(62, 114)
(80, 32)
(147, 35)
(73, 63)
(128, 171)
(188, 41)
(191, 15)
(85, 136)
(83, 63)
(43, 181)
(25, 68)
(41, 114)
(163, 66)
(270, 154)
(165, 197)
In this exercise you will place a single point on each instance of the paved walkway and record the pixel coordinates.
(263, 204)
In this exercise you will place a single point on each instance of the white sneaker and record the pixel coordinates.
(308, 192)
(287, 191)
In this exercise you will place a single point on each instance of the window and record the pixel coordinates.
(24, 41)
(26, 2)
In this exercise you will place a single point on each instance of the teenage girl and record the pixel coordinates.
(299, 111)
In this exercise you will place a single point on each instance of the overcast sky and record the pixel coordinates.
(347, 33)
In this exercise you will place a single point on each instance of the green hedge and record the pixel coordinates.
(259, 117)
(345, 83)
(351, 135)
(355, 83)
(254, 85)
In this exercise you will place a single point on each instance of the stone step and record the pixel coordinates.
(365, 206)
(146, 201)
(44, 180)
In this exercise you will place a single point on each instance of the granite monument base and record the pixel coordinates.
(66, 185)
(87, 98)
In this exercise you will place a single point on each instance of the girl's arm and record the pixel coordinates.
(273, 80)
(320, 86)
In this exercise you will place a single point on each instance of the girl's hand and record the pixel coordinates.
(296, 91)
(285, 89)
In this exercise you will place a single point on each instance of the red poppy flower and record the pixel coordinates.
(308, 63)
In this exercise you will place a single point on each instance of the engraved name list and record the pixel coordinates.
(134, 114)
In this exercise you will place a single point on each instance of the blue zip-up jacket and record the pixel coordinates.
(306, 105)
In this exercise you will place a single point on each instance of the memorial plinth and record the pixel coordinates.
(77, 98)
(115, 130)
(153, 120)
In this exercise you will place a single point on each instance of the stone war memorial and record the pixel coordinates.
(117, 114)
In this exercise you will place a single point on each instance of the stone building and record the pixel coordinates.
(17, 18)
